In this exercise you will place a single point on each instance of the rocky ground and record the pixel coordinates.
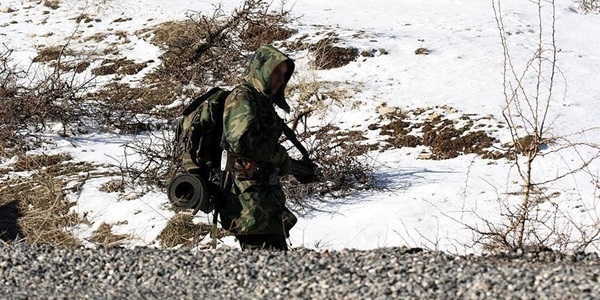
(108, 273)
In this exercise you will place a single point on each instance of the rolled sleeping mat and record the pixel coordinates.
(189, 191)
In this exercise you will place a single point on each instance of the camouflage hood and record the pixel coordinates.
(260, 68)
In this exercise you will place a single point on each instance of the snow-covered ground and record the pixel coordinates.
(425, 203)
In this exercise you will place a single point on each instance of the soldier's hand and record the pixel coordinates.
(284, 168)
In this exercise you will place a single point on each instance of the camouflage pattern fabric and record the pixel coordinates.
(252, 130)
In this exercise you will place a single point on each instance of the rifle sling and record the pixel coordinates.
(291, 135)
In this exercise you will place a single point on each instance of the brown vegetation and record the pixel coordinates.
(53, 4)
(120, 66)
(104, 236)
(34, 208)
(329, 56)
(181, 231)
(444, 137)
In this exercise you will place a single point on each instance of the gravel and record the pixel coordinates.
(44, 272)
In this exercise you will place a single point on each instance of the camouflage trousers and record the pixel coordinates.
(259, 209)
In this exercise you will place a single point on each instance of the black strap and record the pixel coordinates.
(291, 135)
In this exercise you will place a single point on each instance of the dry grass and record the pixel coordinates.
(43, 213)
(422, 51)
(51, 53)
(329, 56)
(71, 66)
(181, 231)
(120, 66)
(53, 4)
(35, 162)
(34, 208)
(444, 137)
(85, 18)
(104, 236)
(113, 186)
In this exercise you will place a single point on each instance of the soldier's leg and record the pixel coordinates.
(262, 242)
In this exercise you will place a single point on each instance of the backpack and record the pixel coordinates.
(199, 132)
(197, 147)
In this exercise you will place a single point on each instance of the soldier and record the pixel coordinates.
(256, 212)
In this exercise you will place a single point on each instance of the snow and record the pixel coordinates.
(425, 203)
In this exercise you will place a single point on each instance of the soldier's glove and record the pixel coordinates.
(305, 171)
(284, 168)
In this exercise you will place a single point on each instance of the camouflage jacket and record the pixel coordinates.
(251, 125)
(252, 129)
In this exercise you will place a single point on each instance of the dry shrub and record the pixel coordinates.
(265, 30)
(181, 231)
(120, 106)
(589, 6)
(104, 236)
(31, 102)
(338, 154)
(329, 56)
(213, 49)
(156, 165)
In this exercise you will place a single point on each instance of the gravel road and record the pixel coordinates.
(43, 272)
